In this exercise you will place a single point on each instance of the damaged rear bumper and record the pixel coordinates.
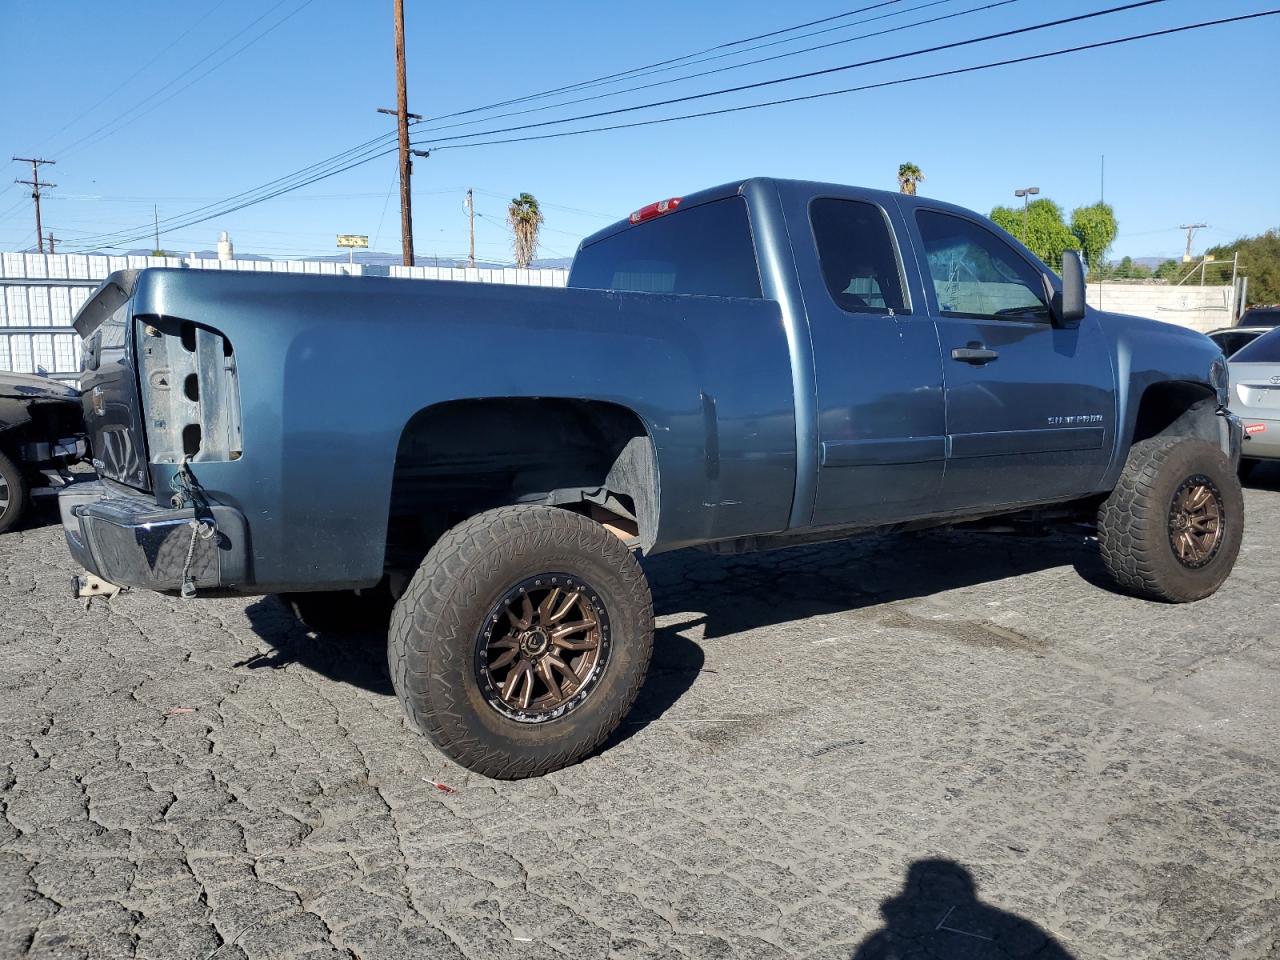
(123, 537)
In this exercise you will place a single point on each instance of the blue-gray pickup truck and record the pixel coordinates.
(761, 364)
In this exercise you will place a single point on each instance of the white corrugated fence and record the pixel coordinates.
(40, 293)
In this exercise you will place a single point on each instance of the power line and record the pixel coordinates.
(583, 84)
(91, 138)
(332, 172)
(746, 63)
(298, 175)
(168, 223)
(137, 73)
(121, 241)
(811, 73)
(871, 86)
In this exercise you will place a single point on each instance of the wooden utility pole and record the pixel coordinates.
(35, 185)
(471, 215)
(51, 242)
(402, 118)
(1191, 229)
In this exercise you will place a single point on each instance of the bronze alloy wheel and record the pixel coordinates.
(543, 648)
(1196, 521)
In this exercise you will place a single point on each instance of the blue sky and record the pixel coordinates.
(1187, 123)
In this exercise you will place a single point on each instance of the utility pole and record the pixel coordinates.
(471, 215)
(403, 117)
(1191, 229)
(51, 241)
(156, 210)
(35, 185)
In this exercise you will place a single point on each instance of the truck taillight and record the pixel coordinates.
(655, 210)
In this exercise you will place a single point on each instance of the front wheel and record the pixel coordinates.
(1171, 529)
(522, 640)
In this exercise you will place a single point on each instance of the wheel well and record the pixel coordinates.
(1177, 408)
(458, 458)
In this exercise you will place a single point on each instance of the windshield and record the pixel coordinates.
(705, 250)
(1266, 349)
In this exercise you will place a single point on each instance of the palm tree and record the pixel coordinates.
(525, 218)
(908, 176)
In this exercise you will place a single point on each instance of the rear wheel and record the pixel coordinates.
(1171, 529)
(13, 494)
(522, 640)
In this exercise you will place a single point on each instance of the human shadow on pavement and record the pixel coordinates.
(745, 591)
(360, 659)
(938, 914)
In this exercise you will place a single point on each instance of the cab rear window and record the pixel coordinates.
(704, 250)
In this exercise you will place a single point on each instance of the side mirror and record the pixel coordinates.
(1068, 307)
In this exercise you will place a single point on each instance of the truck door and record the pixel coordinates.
(1030, 406)
(878, 373)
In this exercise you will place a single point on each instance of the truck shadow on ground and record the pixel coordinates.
(360, 659)
(938, 913)
(742, 592)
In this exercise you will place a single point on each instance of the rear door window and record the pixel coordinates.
(857, 255)
(705, 250)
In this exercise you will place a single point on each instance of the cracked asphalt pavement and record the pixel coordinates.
(941, 745)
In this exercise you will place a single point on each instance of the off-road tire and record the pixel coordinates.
(342, 611)
(1134, 521)
(17, 484)
(436, 627)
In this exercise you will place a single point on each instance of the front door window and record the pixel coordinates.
(976, 274)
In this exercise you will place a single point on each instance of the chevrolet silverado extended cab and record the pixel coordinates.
(760, 364)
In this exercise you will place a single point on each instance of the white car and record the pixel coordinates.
(1255, 398)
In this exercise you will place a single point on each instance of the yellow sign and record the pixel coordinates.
(353, 240)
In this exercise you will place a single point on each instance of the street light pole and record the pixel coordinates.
(1025, 193)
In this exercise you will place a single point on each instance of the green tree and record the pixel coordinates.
(1259, 261)
(909, 175)
(1041, 229)
(1170, 270)
(525, 219)
(1095, 227)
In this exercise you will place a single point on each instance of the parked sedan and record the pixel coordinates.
(1233, 339)
(1255, 397)
(41, 434)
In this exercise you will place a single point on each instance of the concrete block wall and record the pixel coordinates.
(1200, 308)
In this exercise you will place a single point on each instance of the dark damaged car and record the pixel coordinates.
(41, 434)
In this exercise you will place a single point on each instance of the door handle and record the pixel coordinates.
(974, 353)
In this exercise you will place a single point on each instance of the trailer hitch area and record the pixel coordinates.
(87, 586)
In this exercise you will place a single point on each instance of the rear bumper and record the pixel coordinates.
(122, 536)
